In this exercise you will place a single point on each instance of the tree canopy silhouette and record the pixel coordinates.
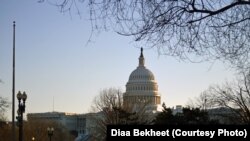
(196, 30)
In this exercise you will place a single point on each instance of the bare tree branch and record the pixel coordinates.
(109, 107)
(4, 105)
(196, 30)
(234, 96)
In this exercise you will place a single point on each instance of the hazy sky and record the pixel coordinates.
(53, 61)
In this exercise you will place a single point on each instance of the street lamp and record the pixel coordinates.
(50, 132)
(21, 109)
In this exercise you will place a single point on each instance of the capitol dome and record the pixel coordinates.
(142, 87)
(141, 74)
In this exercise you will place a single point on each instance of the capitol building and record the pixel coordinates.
(142, 89)
(141, 95)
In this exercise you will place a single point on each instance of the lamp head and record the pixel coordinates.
(24, 96)
(50, 129)
(19, 95)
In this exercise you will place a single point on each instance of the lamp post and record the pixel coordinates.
(50, 132)
(21, 109)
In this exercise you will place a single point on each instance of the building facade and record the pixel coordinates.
(82, 124)
(73, 122)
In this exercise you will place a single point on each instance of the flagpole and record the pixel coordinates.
(13, 87)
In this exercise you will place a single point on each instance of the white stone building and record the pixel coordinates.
(142, 88)
(72, 121)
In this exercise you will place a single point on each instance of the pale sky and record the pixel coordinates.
(53, 61)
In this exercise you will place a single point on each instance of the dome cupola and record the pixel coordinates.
(142, 86)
